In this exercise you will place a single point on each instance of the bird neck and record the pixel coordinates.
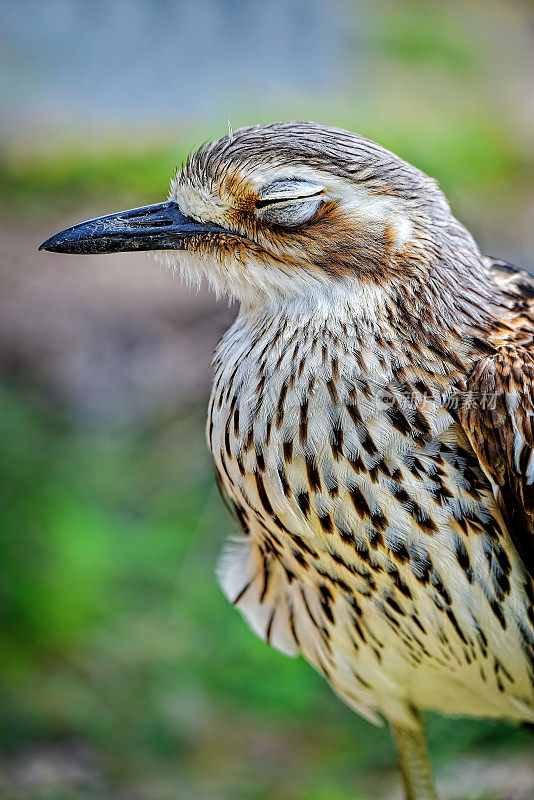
(324, 307)
(438, 324)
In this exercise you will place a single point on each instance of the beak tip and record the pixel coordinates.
(49, 244)
(60, 243)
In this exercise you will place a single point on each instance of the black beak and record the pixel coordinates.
(158, 227)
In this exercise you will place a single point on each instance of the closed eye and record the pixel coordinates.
(289, 202)
(272, 200)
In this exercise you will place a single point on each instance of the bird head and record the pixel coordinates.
(291, 209)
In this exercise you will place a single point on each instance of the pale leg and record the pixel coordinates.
(414, 762)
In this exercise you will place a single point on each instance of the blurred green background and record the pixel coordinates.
(125, 673)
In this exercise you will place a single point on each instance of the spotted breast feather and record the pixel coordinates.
(373, 543)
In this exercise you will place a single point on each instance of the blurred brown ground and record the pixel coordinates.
(113, 336)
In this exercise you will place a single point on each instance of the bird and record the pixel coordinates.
(371, 420)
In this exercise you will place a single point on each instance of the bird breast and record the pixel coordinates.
(351, 480)
(313, 423)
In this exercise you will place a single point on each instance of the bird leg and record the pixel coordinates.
(414, 761)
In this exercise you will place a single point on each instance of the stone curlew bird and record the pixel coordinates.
(371, 420)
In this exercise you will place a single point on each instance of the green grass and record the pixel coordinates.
(52, 183)
(418, 33)
(117, 640)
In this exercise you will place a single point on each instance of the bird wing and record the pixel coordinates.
(498, 416)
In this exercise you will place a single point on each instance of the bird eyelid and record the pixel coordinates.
(287, 190)
(262, 202)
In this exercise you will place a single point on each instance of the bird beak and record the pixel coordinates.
(158, 227)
